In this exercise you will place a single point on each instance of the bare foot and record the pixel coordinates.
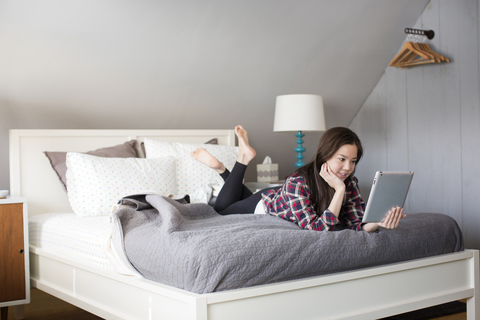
(205, 157)
(245, 152)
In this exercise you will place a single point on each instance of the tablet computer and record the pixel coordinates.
(389, 190)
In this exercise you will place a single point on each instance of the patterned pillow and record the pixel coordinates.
(193, 178)
(95, 184)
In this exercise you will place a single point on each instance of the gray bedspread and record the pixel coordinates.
(191, 247)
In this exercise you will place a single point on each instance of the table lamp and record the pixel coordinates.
(299, 112)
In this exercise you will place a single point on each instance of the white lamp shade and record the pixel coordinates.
(299, 112)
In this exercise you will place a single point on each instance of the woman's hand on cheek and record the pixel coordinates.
(330, 178)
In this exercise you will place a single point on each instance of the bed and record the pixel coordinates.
(92, 283)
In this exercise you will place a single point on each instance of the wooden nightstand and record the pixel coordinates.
(14, 260)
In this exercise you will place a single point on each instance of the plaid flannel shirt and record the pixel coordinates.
(292, 203)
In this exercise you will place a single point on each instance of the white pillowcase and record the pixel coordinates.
(193, 178)
(95, 184)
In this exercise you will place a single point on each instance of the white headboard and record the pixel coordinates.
(32, 177)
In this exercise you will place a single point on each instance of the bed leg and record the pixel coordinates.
(473, 303)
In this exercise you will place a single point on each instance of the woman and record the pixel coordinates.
(321, 195)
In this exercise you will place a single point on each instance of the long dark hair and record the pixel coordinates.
(321, 193)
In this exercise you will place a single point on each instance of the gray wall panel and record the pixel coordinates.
(469, 99)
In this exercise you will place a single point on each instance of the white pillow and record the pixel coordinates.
(193, 178)
(95, 184)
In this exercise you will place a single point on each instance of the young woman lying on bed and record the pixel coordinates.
(318, 196)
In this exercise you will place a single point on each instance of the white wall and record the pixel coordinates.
(427, 119)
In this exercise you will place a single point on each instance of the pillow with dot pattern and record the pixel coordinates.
(96, 184)
(193, 178)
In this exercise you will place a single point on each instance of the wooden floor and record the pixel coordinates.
(47, 307)
(43, 306)
(459, 316)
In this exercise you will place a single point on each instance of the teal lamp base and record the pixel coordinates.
(300, 149)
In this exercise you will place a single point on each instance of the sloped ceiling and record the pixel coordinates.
(82, 57)
(190, 63)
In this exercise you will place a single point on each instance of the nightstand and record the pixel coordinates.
(255, 186)
(14, 260)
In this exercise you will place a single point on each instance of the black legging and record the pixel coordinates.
(235, 197)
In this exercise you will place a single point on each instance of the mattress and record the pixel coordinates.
(70, 236)
(202, 252)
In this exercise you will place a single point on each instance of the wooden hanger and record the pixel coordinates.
(438, 57)
(410, 53)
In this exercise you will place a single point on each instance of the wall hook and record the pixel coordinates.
(428, 33)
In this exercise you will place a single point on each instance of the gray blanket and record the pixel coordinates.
(191, 247)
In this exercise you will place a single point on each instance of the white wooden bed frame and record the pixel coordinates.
(370, 293)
